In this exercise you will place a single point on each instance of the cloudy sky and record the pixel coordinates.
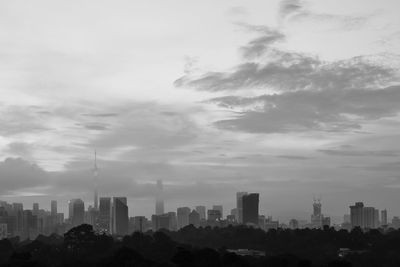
(286, 98)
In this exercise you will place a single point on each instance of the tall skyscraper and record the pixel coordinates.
(53, 208)
(104, 220)
(239, 206)
(77, 211)
(384, 220)
(96, 182)
(250, 208)
(356, 215)
(317, 218)
(159, 198)
(120, 219)
(183, 217)
(201, 210)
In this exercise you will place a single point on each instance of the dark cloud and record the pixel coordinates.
(287, 71)
(290, 7)
(101, 115)
(296, 10)
(360, 153)
(19, 174)
(94, 126)
(292, 157)
(327, 110)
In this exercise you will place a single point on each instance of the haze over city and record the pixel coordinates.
(289, 99)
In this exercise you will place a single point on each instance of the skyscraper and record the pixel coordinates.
(104, 220)
(159, 198)
(96, 181)
(201, 210)
(384, 217)
(364, 217)
(120, 219)
(183, 217)
(194, 218)
(77, 211)
(250, 204)
(239, 206)
(53, 208)
(356, 215)
(220, 208)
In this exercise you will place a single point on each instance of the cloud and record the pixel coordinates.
(297, 10)
(18, 174)
(360, 153)
(289, 7)
(325, 110)
(289, 71)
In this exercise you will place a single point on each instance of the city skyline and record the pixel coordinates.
(246, 96)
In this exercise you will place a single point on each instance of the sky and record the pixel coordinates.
(291, 99)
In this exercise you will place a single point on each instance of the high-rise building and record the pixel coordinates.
(201, 210)
(172, 221)
(140, 224)
(384, 220)
(96, 181)
(395, 222)
(364, 217)
(77, 211)
(159, 198)
(120, 219)
(182, 217)
(3, 231)
(250, 204)
(220, 208)
(194, 218)
(239, 206)
(35, 208)
(213, 216)
(104, 219)
(53, 208)
(356, 215)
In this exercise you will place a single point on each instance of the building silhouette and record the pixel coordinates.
(363, 217)
(201, 210)
(53, 208)
(159, 198)
(104, 219)
(77, 211)
(182, 217)
(239, 206)
(96, 182)
(194, 218)
(250, 204)
(120, 219)
(384, 220)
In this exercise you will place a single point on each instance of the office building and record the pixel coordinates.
(384, 220)
(194, 218)
(250, 204)
(140, 224)
(213, 215)
(53, 205)
(182, 217)
(239, 206)
(363, 217)
(120, 219)
(77, 212)
(220, 208)
(159, 198)
(104, 218)
(201, 210)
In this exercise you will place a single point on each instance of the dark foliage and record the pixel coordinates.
(198, 247)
